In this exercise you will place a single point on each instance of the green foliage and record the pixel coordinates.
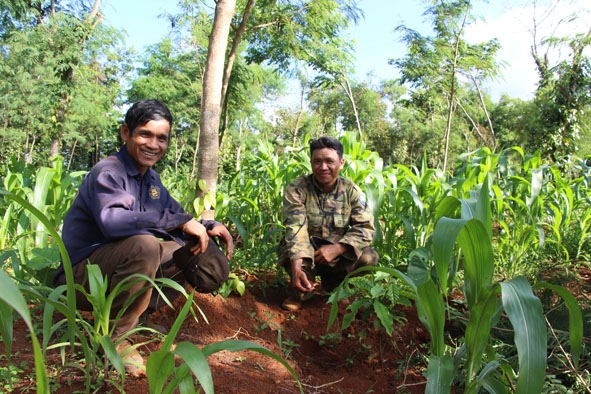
(94, 338)
(233, 284)
(25, 240)
(484, 300)
(379, 294)
(434, 67)
(11, 300)
(59, 79)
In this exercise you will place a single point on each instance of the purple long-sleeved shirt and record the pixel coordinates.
(115, 202)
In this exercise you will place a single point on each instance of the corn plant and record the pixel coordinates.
(432, 273)
(12, 300)
(24, 240)
(485, 299)
(165, 376)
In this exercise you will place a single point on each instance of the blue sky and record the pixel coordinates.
(510, 21)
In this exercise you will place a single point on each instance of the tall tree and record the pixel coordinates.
(437, 67)
(211, 103)
(563, 95)
(277, 33)
(54, 52)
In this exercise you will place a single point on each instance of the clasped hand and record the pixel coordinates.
(193, 227)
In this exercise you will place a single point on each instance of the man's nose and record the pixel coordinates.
(153, 142)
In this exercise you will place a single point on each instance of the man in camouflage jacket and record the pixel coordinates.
(328, 225)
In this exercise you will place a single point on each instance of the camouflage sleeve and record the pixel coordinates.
(362, 229)
(297, 238)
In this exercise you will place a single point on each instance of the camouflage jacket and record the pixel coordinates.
(342, 215)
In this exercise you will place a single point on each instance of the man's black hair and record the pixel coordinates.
(326, 142)
(144, 111)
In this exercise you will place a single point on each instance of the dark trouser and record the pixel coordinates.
(330, 277)
(139, 254)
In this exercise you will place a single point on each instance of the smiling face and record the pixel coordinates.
(326, 166)
(147, 143)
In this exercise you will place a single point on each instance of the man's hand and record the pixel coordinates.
(193, 227)
(299, 279)
(327, 253)
(224, 235)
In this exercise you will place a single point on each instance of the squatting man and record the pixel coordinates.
(126, 222)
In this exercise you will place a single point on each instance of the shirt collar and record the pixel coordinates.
(129, 165)
(319, 189)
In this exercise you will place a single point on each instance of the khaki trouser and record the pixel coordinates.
(138, 254)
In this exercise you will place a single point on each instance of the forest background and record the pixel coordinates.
(411, 142)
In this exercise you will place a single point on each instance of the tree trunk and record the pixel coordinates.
(211, 102)
(54, 148)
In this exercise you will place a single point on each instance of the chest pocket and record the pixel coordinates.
(314, 217)
(341, 221)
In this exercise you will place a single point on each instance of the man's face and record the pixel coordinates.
(326, 166)
(146, 144)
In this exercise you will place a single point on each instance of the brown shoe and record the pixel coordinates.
(292, 303)
(132, 359)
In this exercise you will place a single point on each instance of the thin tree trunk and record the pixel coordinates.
(299, 119)
(481, 98)
(72, 154)
(452, 94)
(195, 151)
(211, 101)
(230, 64)
(349, 92)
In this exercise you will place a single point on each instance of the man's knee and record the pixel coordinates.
(144, 248)
(207, 271)
(369, 257)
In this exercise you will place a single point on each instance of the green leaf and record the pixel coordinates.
(159, 367)
(440, 373)
(444, 238)
(202, 184)
(384, 315)
(11, 296)
(197, 362)
(478, 330)
(478, 261)
(240, 287)
(525, 313)
(575, 319)
(431, 311)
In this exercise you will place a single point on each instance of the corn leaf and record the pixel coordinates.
(525, 313)
(440, 373)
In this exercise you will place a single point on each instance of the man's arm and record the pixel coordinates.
(361, 223)
(326, 254)
(119, 214)
(299, 279)
(295, 220)
(297, 239)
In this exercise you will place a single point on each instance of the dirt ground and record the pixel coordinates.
(362, 359)
(359, 360)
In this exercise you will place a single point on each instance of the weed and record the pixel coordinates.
(330, 340)
(286, 345)
(261, 325)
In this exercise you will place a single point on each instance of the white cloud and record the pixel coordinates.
(514, 29)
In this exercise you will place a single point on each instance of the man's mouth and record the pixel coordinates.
(149, 154)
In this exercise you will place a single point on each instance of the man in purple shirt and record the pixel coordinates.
(125, 221)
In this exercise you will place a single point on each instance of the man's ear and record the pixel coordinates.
(342, 165)
(124, 132)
